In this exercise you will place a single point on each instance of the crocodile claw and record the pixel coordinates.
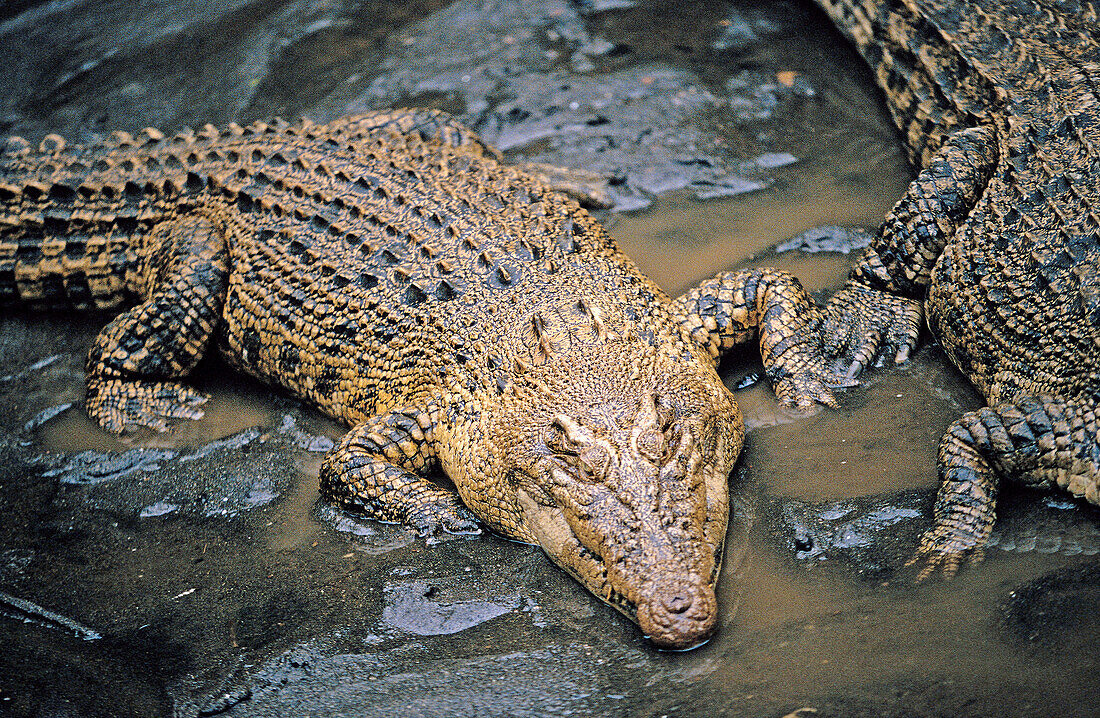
(944, 550)
(120, 406)
(862, 327)
(444, 516)
(806, 389)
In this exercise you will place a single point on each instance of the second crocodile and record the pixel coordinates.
(999, 237)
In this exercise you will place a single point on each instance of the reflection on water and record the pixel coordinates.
(682, 240)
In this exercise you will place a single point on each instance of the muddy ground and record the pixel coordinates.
(197, 573)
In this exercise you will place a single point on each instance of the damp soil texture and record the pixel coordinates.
(197, 573)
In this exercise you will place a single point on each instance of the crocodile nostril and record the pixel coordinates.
(678, 602)
(679, 614)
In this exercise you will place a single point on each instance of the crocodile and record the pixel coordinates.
(459, 314)
(998, 238)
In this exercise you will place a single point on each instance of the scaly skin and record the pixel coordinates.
(999, 236)
(457, 313)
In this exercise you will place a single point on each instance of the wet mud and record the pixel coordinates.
(197, 573)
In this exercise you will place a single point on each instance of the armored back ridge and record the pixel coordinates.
(456, 312)
(999, 236)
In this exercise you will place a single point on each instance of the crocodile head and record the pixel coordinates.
(622, 478)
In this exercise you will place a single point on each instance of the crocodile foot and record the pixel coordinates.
(862, 326)
(443, 515)
(944, 549)
(126, 405)
(811, 386)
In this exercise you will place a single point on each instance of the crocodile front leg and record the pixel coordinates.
(372, 470)
(877, 314)
(1038, 440)
(134, 363)
(734, 307)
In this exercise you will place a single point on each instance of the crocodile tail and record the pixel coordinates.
(57, 250)
(42, 270)
(933, 88)
(55, 257)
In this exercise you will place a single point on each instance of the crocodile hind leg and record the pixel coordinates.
(134, 363)
(734, 307)
(376, 467)
(877, 313)
(1037, 440)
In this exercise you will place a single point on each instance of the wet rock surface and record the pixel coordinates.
(197, 573)
(873, 535)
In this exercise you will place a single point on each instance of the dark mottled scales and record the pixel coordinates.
(456, 312)
(999, 236)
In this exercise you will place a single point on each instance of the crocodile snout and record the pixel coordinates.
(678, 614)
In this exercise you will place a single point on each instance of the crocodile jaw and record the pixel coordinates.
(615, 459)
(675, 609)
(646, 539)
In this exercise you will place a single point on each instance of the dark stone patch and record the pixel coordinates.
(1057, 611)
(260, 624)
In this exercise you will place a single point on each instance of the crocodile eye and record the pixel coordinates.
(577, 450)
(651, 445)
(560, 443)
(568, 436)
(596, 462)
